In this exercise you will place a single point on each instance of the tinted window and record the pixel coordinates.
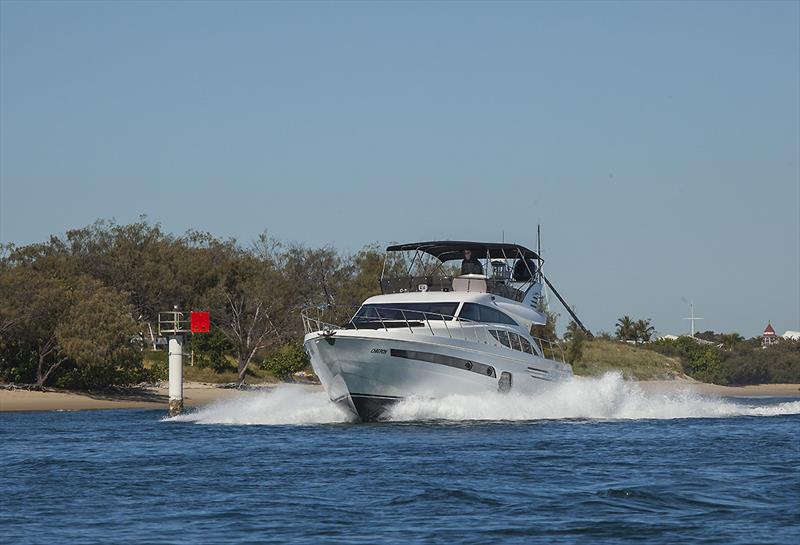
(512, 340)
(482, 313)
(406, 311)
(515, 343)
(502, 336)
(470, 312)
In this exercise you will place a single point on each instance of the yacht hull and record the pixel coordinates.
(367, 371)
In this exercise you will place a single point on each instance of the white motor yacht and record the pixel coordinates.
(434, 332)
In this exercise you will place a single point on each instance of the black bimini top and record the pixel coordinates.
(449, 250)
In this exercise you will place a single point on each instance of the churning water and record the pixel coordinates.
(607, 398)
(595, 461)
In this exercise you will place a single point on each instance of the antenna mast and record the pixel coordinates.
(539, 245)
(692, 317)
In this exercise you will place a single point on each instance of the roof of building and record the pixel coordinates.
(768, 331)
(449, 250)
(793, 335)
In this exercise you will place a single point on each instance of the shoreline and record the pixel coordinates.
(198, 394)
(705, 388)
(194, 395)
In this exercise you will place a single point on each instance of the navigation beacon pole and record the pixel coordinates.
(175, 375)
(175, 326)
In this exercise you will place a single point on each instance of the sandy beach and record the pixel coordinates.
(753, 390)
(196, 394)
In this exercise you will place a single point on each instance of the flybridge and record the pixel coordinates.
(449, 250)
(507, 270)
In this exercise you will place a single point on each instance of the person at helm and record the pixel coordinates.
(470, 265)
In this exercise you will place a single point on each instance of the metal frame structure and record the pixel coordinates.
(174, 322)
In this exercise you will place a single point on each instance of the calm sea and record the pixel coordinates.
(600, 463)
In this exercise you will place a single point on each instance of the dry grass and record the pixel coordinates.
(601, 356)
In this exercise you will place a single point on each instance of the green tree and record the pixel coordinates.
(643, 331)
(575, 337)
(247, 308)
(100, 336)
(57, 322)
(731, 340)
(699, 360)
(212, 350)
(626, 329)
(34, 304)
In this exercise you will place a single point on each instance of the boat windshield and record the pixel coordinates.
(405, 311)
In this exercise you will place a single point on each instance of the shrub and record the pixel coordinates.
(699, 361)
(285, 360)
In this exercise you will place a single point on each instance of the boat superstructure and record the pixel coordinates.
(435, 332)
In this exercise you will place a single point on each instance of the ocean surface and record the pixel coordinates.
(598, 461)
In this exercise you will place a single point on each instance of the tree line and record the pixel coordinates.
(78, 309)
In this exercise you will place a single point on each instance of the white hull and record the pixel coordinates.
(367, 370)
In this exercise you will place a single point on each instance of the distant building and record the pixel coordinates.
(769, 337)
(791, 335)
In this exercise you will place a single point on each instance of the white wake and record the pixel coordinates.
(606, 398)
(283, 404)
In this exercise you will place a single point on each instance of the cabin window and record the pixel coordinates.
(406, 311)
(515, 342)
(502, 336)
(512, 340)
(482, 313)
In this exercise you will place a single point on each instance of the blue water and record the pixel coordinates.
(129, 476)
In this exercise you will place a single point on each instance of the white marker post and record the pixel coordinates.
(175, 375)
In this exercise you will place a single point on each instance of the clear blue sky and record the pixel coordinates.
(657, 143)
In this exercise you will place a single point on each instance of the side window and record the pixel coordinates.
(494, 316)
(445, 309)
(526, 345)
(481, 313)
(502, 336)
(515, 342)
(470, 312)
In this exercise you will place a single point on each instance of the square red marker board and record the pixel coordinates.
(200, 322)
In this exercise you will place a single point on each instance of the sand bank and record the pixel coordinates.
(755, 390)
(194, 394)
